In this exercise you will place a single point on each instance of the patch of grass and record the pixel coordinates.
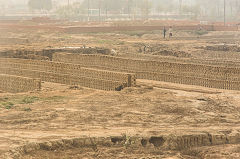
(19, 99)
(29, 100)
(7, 105)
(10, 102)
(32, 99)
(140, 33)
(201, 32)
(27, 109)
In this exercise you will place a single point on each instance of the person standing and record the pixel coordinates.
(170, 32)
(164, 32)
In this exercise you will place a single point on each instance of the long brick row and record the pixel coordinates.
(66, 79)
(62, 68)
(185, 73)
(64, 73)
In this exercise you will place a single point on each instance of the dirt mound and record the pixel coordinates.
(154, 147)
(156, 49)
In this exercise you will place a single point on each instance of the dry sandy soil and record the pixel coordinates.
(150, 109)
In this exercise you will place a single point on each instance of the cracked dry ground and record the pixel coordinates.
(59, 111)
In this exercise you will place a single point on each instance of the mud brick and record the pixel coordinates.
(16, 84)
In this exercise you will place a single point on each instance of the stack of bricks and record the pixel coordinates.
(71, 74)
(16, 84)
(185, 73)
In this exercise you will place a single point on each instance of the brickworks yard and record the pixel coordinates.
(119, 90)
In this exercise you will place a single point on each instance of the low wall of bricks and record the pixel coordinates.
(71, 74)
(185, 73)
(46, 53)
(16, 84)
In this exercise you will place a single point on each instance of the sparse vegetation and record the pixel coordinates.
(201, 32)
(27, 109)
(137, 33)
(7, 105)
(29, 100)
(10, 102)
(40, 5)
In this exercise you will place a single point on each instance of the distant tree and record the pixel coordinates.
(165, 6)
(145, 7)
(159, 8)
(194, 10)
(110, 5)
(40, 4)
(72, 11)
(180, 6)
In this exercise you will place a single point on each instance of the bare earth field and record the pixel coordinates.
(152, 120)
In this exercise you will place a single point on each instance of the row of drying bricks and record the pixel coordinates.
(16, 84)
(66, 79)
(68, 69)
(222, 84)
(128, 65)
(218, 73)
(189, 80)
(147, 75)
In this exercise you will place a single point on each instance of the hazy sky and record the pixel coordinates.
(13, 1)
(26, 1)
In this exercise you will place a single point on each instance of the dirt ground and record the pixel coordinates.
(150, 109)
(216, 152)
